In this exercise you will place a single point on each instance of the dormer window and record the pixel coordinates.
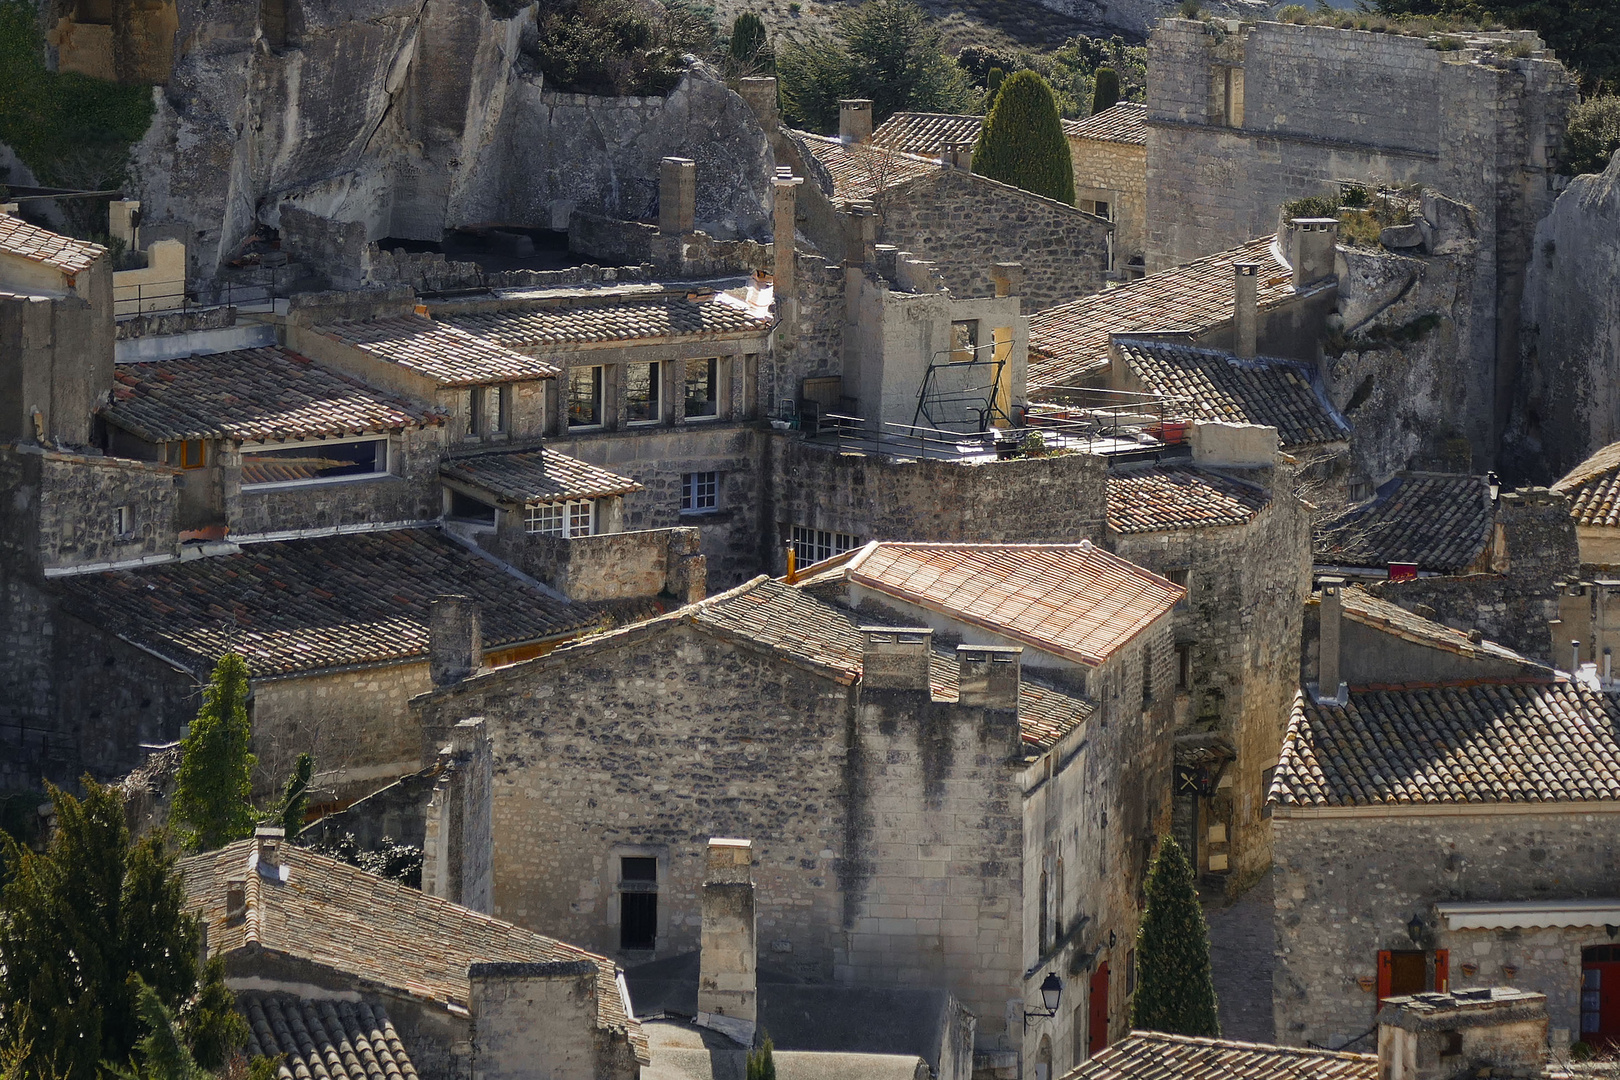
(322, 462)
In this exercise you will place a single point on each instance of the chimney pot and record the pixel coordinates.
(455, 640)
(759, 91)
(1329, 688)
(677, 196)
(988, 676)
(896, 657)
(1008, 276)
(958, 154)
(855, 120)
(1311, 245)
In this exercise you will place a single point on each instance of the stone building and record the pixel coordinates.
(1442, 815)
(1417, 523)
(1589, 487)
(1241, 121)
(921, 816)
(343, 973)
(1109, 154)
(1226, 525)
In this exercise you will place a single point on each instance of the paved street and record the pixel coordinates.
(1241, 946)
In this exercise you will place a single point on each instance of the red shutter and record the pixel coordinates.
(1442, 970)
(1386, 974)
(1097, 1039)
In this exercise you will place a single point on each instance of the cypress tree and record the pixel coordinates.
(747, 38)
(213, 790)
(1022, 141)
(1107, 93)
(295, 799)
(1175, 991)
(760, 1064)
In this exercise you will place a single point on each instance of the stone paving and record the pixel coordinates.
(1241, 947)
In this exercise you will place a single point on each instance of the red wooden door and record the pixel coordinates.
(1097, 1022)
(1600, 996)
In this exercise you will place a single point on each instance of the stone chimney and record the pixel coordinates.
(455, 640)
(855, 120)
(1328, 686)
(958, 154)
(677, 196)
(1221, 444)
(784, 207)
(456, 835)
(1245, 309)
(988, 676)
(896, 658)
(534, 1021)
(727, 998)
(267, 841)
(859, 222)
(1492, 1031)
(759, 91)
(1008, 276)
(1311, 244)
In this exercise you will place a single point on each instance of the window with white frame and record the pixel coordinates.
(314, 462)
(575, 517)
(700, 492)
(814, 545)
(702, 389)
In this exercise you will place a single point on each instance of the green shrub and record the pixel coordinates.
(1190, 9)
(1293, 13)
(1107, 92)
(749, 43)
(1022, 141)
(1585, 34)
(1593, 135)
(1317, 206)
(213, 788)
(884, 50)
(978, 61)
(614, 48)
(1071, 70)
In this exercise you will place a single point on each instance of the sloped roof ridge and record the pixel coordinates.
(1240, 1044)
(1599, 462)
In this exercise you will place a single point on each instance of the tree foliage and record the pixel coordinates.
(82, 926)
(213, 792)
(1106, 94)
(617, 48)
(1593, 135)
(1022, 141)
(1585, 34)
(1175, 990)
(761, 1064)
(884, 50)
(748, 39)
(295, 797)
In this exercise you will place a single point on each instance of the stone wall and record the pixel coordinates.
(817, 351)
(609, 566)
(67, 508)
(1058, 499)
(965, 224)
(59, 356)
(1321, 105)
(1103, 169)
(528, 1013)
(1346, 887)
(1567, 407)
(1241, 623)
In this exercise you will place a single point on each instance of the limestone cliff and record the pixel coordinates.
(410, 117)
(1568, 403)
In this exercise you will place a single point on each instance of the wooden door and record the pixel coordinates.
(1097, 1022)
(1600, 997)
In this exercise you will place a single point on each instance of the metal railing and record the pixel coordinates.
(161, 297)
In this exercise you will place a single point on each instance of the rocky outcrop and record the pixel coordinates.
(405, 118)
(1568, 403)
(1391, 361)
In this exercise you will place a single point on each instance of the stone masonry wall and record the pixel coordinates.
(1346, 887)
(1119, 169)
(608, 566)
(1242, 622)
(965, 224)
(79, 502)
(1054, 500)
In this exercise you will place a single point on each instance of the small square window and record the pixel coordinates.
(121, 521)
(1183, 577)
(700, 492)
(188, 454)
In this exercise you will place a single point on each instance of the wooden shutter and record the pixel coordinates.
(1442, 970)
(1386, 973)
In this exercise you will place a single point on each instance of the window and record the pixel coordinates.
(190, 454)
(1147, 675)
(576, 517)
(1046, 941)
(1057, 902)
(1183, 577)
(1409, 971)
(638, 902)
(700, 492)
(584, 396)
(702, 388)
(503, 409)
(121, 521)
(814, 545)
(489, 410)
(1130, 973)
(1184, 666)
(964, 340)
(641, 396)
(308, 463)
(467, 508)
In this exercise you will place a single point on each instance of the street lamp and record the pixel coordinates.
(1051, 995)
(1493, 485)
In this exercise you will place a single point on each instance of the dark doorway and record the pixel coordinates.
(1097, 1022)
(1600, 996)
(638, 903)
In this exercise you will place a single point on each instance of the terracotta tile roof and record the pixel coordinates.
(1441, 522)
(859, 171)
(1125, 122)
(336, 915)
(1076, 601)
(811, 631)
(1164, 497)
(253, 394)
(1150, 1055)
(1206, 384)
(1487, 742)
(925, 134)
(1593, 487)
(59, 252)
(1069, 342)
(290, 606)
(542, 475)
(324, 1040)
(558, 328)
(441, 351)
(1362, 607)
